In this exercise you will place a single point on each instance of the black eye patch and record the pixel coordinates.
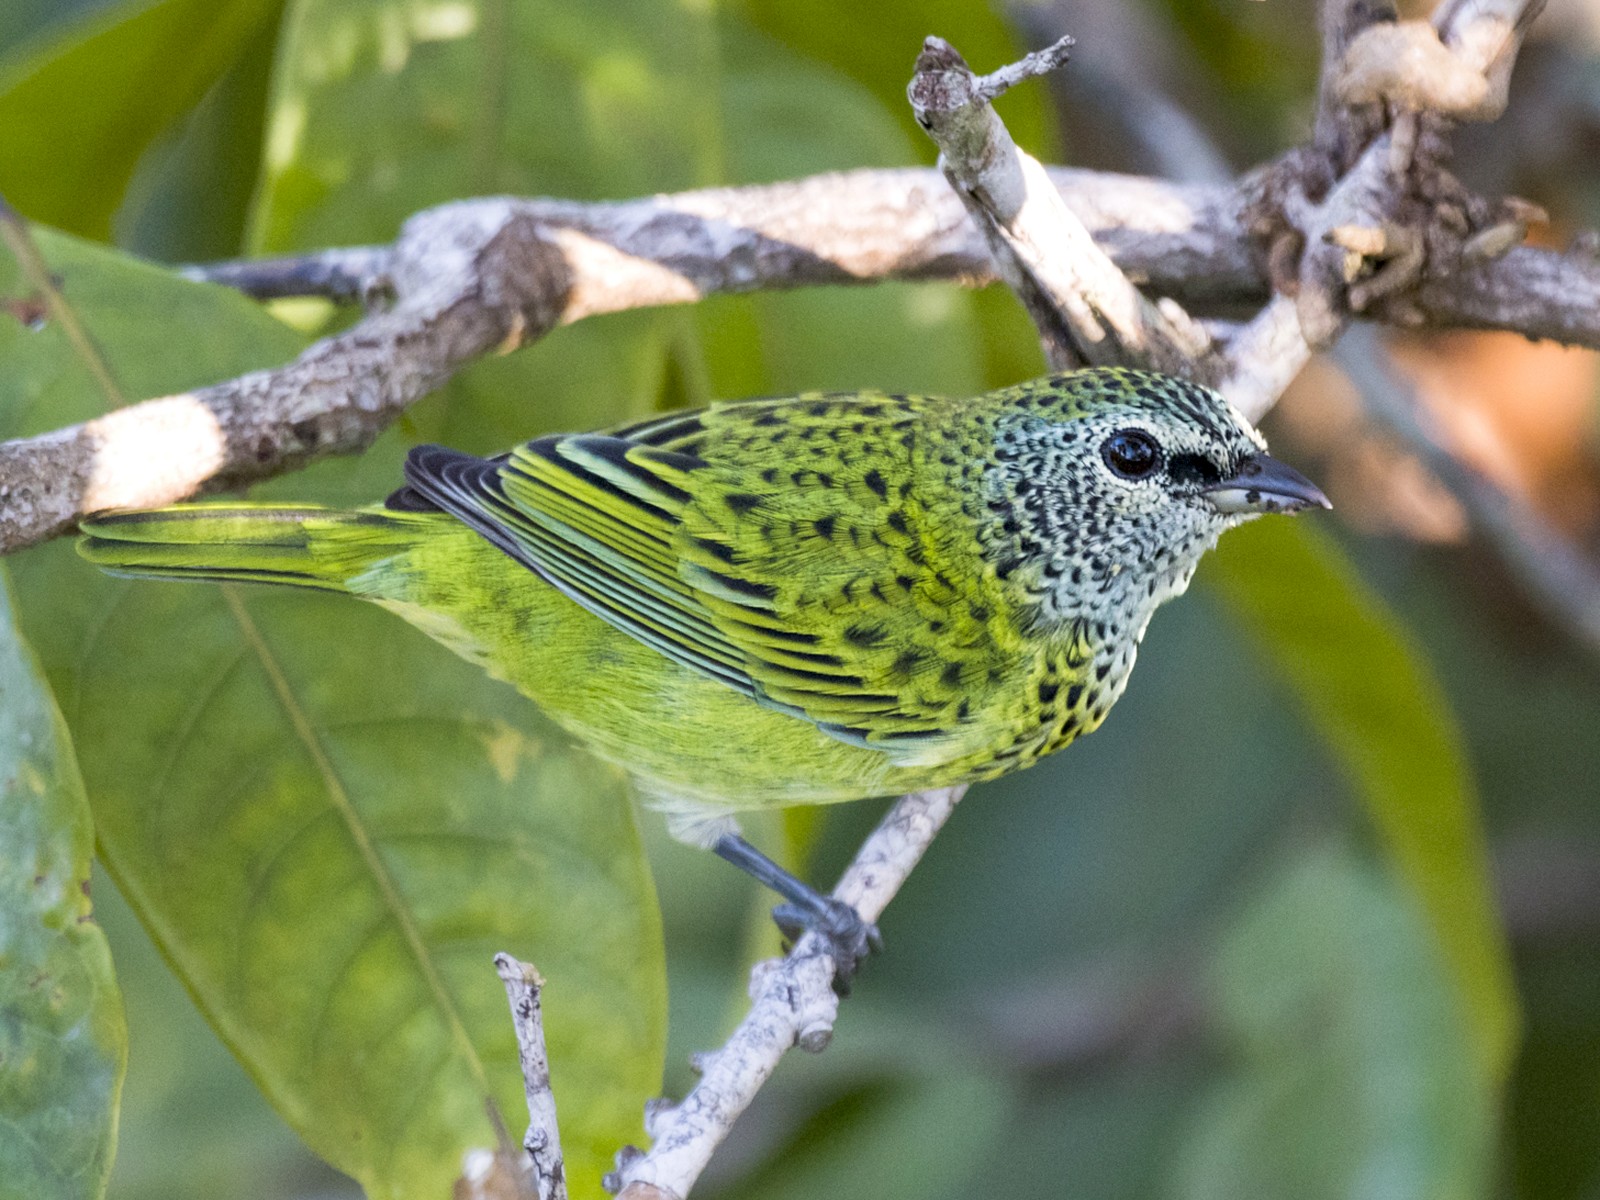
(1194, 469)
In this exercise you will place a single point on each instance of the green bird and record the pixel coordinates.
(797, 600)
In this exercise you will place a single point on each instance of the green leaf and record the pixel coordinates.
(788, 116)
(1373, 698)
(382, 107)
(1345, 1034)
(81, 110)
(62, 1038)
(328, 822)
(190, 198)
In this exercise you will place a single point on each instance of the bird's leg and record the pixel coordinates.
(850, 937)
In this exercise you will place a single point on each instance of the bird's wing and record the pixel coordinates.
(779, 547)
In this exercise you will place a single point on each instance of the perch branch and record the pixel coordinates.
(543, 1139)
(792, 1004)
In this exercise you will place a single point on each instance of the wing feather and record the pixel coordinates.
(762, 544)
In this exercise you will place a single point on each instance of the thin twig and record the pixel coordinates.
(543, 1139)
(792, 1004)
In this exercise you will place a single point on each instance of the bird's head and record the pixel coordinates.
(1108, 486)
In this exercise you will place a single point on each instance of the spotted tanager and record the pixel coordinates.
(796, 600)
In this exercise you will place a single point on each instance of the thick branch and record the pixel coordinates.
(792, 1003)
(469, 277)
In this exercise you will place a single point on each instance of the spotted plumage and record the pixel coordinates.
(805, 599)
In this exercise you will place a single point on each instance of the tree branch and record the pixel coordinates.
(792, 1004)
(543, 1139)
(476, 276)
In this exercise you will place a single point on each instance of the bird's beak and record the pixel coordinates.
(1262, 484)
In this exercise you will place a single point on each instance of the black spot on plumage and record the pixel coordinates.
(770, 417)
(963, 710)
(951, 675)
(770, 475)
(824, 526)
(877, 593)
(865, 635)
(905, 581)
(915, 553)
(897, 522)
(1074, 694)
(980, 612)
(907, 662)
(874, 480)
(818, 408)
(717, 550)
(740, 503)
(1047, 692)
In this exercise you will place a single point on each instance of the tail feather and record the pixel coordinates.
(300, 546)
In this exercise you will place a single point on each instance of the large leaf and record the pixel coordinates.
(329, 823)
(62, 1038)
(1348, 1077)
(80, 110)
(382, 107)
(1375, 702)
(190, 198)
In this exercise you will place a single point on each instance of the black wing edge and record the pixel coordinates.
(416, 495)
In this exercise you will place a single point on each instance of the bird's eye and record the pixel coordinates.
(1131, 453)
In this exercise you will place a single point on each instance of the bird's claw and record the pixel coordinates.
(850, 937)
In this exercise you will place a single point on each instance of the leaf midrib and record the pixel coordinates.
(337, 794)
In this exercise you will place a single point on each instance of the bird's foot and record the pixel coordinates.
(850, 937)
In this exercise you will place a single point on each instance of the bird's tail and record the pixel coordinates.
(302, 545)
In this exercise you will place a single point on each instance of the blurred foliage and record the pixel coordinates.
(1382, 713)
(1329, 991)
(63, 1044)
(1240, 942)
